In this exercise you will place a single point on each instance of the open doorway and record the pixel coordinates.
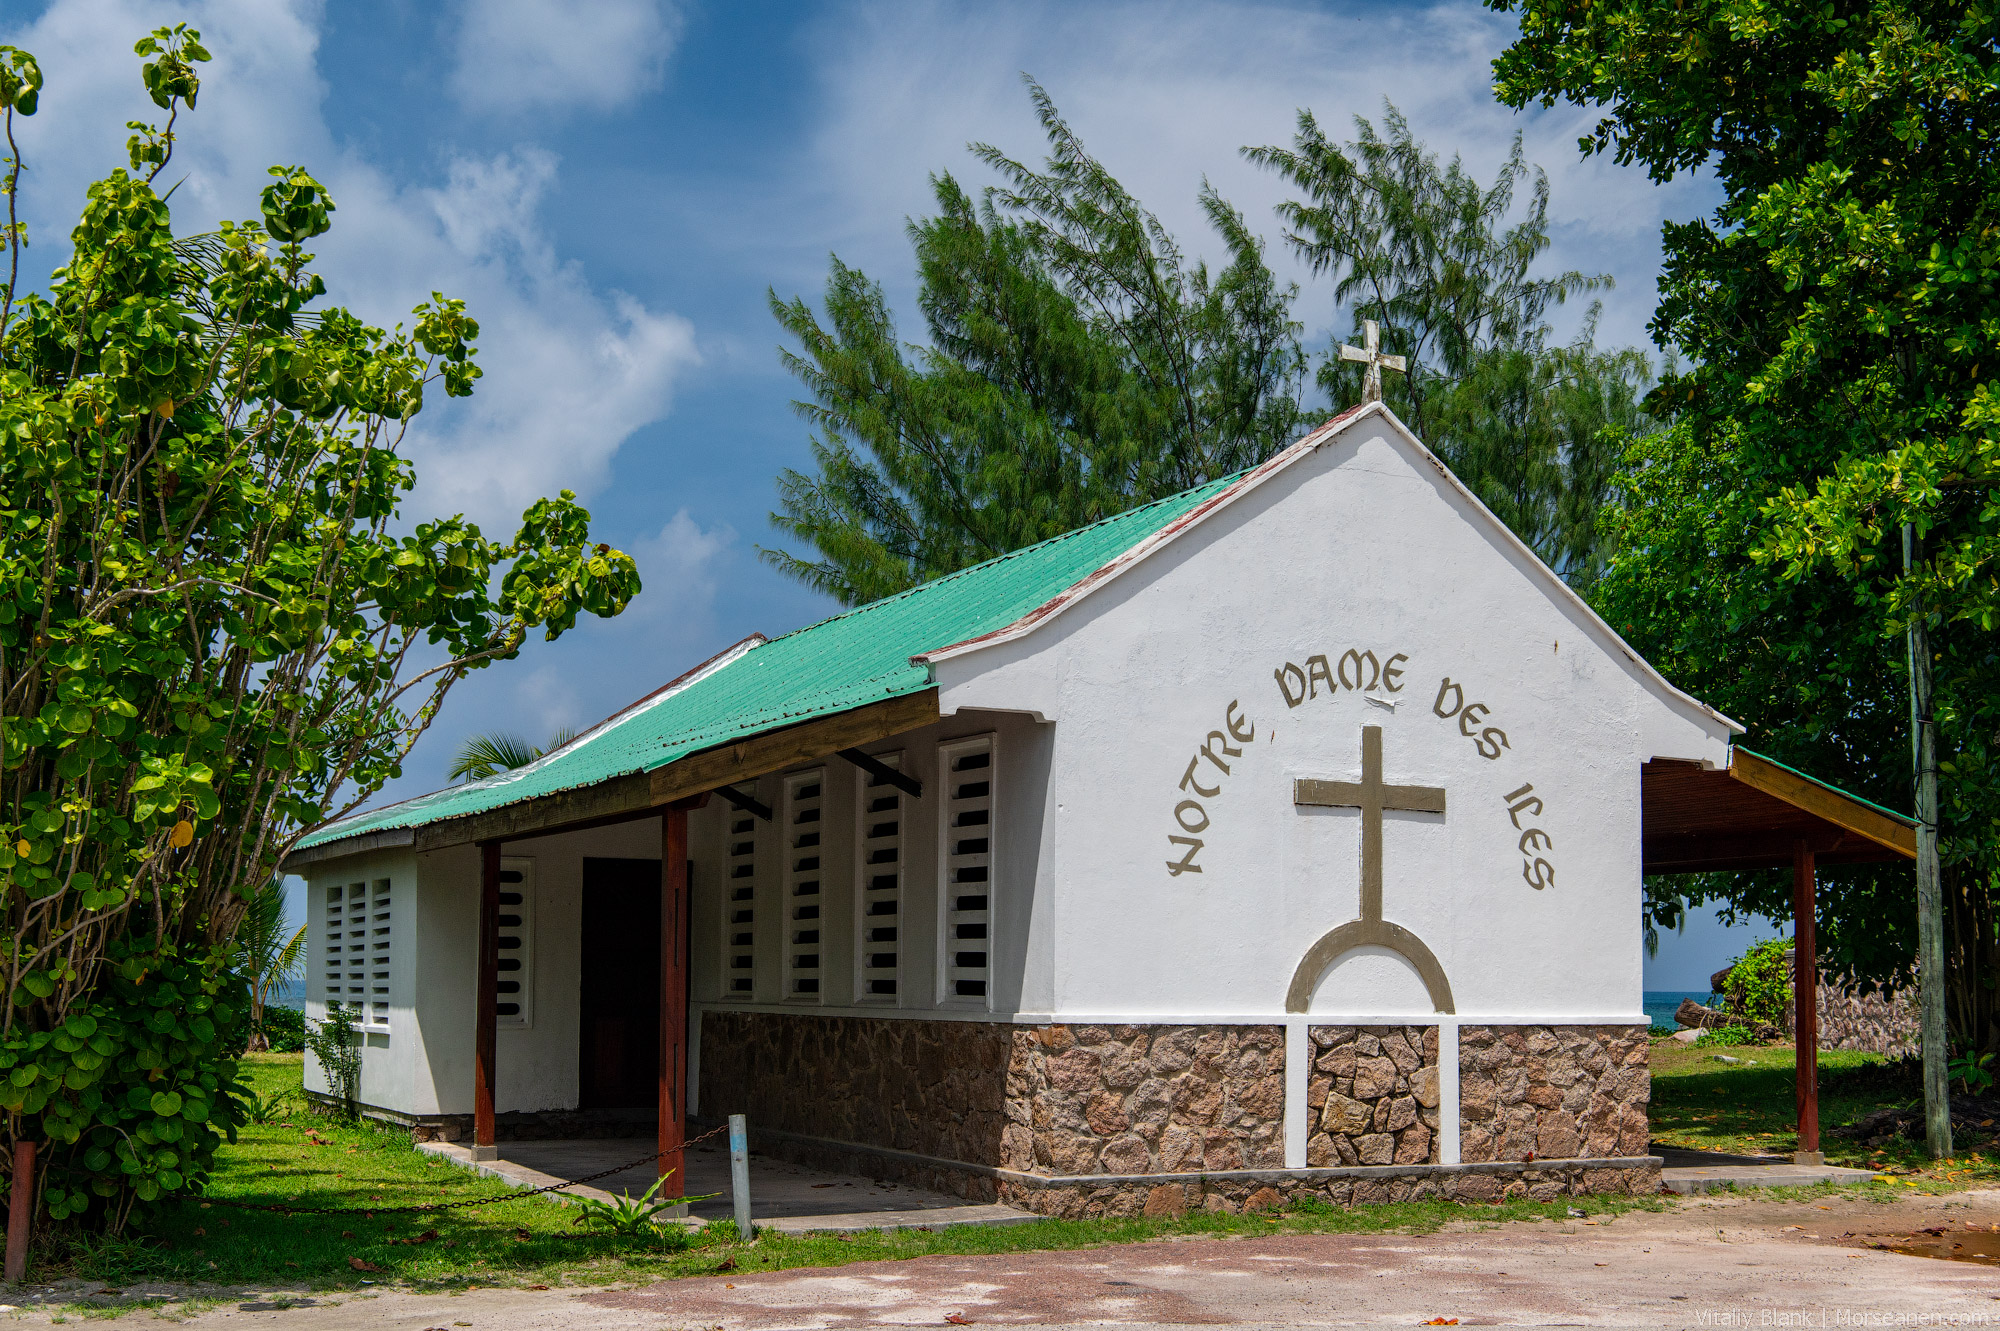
(619, 1028)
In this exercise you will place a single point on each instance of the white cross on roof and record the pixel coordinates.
(1371, 355)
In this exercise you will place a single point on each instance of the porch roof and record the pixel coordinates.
(1754, 813)
(851, 661)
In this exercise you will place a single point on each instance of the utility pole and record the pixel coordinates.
(1930, 898)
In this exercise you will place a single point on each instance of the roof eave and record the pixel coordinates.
(1257, 476)
(1132, 555)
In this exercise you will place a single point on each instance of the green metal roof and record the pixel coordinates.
(1886, 812)
(848, 661)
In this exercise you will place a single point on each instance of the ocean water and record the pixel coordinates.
(293, 995)
(1660, 1004)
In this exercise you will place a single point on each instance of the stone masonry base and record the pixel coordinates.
(1087, 1196)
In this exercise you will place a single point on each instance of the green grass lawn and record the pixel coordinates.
(533, 1241)
(1750, 1106)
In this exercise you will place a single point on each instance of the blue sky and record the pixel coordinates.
(614, 185)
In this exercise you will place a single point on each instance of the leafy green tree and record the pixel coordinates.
(217, 629)
(1797, 660)
(496, 751)
(1534, 427)
(1837, 310)
(1078, 364)
(267, 955)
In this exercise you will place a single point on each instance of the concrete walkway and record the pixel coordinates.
(1689, 1172)
(785, 1197)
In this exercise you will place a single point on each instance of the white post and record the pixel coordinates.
(1447, 1092)
(1298, 1114)
(739, 1175)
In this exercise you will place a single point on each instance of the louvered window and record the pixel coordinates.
(381, 936)
(878, 832)
(804, 855)
(965, 771)
(345, 961)
(739, 906)
(515, 984)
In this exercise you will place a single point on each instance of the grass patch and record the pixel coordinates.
(1749, 1107)
(532, 1241)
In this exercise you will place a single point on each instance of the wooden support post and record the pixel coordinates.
(1805, 1005)
(485, 1040)
(20, 1210)
(673, 994)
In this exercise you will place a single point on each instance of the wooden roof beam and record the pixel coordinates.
(1824, 802)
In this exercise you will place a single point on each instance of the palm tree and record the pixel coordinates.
(264, 954)
(481, 756)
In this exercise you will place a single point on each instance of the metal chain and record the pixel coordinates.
(371, 1211)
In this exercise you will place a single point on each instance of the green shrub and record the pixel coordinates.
(336, 1046)
(1760, 983)
(131, 1094)
(285, 1028)
(1726, 1036)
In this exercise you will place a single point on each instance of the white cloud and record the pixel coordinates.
(679, 566)
(516, 56)
(1167, 93)
(571, 371)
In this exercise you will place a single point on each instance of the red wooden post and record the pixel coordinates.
(673, 994)
(20, 1209)
(1805, 1001)
(485, 1039)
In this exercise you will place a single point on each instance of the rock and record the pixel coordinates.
(1691, 1013)
(1106, 1115)
(1377, 1148)
(1338, 1061)
(1402, 1113)
(1177, 1146)
(1345, 1115)
(1074, 1070)
(1126, 1155)
(1687, 1037)
(1168, 1199)
(1265, 1198)
(1424, 1086)
(1373, 1078)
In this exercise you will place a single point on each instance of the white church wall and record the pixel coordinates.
(1374, 551)
(383, 1057)
(423, 1064)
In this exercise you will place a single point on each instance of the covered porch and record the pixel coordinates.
(787, 1197)
(1757, 813)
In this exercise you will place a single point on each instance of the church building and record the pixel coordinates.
(1283, 836)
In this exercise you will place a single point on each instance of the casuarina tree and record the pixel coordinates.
(1448, 269)
(218, 627)
(1078, 363)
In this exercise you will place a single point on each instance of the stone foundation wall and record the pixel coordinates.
(1552, 1092)
(934, 1088)
(1145, 1099)
(1539, 1181)
(1373, 1095)
(1887, 1021)
(1091, 1120)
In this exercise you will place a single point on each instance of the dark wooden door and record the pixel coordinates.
(620, 1055)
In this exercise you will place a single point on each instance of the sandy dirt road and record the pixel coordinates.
(1730, 1262)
